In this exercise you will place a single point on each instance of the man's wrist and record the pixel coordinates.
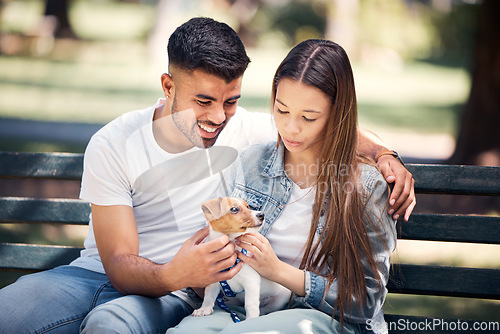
(168, 276)
(389, 152)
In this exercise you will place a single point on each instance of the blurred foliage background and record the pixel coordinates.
(411, 59)
(64, 75)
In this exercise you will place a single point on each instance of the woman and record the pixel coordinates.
(327, 236)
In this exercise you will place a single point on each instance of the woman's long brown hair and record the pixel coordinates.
(343, 243)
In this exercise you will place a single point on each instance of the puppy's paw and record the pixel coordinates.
(252, 314)
(203, 311)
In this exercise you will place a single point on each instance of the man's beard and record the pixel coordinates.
(186, 122)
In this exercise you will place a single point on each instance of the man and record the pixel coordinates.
(146, 174)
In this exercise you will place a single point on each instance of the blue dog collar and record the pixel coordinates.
(228, 292)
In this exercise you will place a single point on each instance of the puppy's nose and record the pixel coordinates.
(260, 216)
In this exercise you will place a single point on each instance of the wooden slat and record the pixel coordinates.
(455, 228)
(35, 210)
(445, 281)
(455, 179)
(429, 178)
(68, 166)
(23, 257)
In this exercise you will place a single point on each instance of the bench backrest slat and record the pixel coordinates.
(454, 228)
(33, 210)
(433, 227)
(452, 179)
(445, 281)
(456, 179)
(67, 166)
(24, 257)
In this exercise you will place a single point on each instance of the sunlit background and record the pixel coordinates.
(412, 63)
(410, 60)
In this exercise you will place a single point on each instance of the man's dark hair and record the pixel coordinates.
(205, 44)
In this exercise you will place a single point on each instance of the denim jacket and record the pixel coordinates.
(258, 177)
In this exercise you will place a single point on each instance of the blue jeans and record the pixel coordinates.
(70, 299)
(289, 321)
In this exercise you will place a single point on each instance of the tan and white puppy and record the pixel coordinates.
(233, 217)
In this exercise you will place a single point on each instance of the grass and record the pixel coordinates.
(94, 89)
(418, 96)
(81, 90)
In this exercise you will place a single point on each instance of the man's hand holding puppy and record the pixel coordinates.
(198, 263)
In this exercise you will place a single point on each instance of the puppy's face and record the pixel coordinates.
(230, 215)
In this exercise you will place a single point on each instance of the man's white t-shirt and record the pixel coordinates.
(124, 165)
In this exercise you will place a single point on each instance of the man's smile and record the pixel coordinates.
(207, 128)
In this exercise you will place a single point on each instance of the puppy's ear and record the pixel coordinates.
(212, 209)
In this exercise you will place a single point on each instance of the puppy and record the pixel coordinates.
(233, 217)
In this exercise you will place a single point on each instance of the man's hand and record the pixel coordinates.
(402, 199)
(198, 264)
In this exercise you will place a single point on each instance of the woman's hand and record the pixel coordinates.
(262, 258)
(264, 261)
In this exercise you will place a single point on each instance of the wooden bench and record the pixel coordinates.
(405, 278)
